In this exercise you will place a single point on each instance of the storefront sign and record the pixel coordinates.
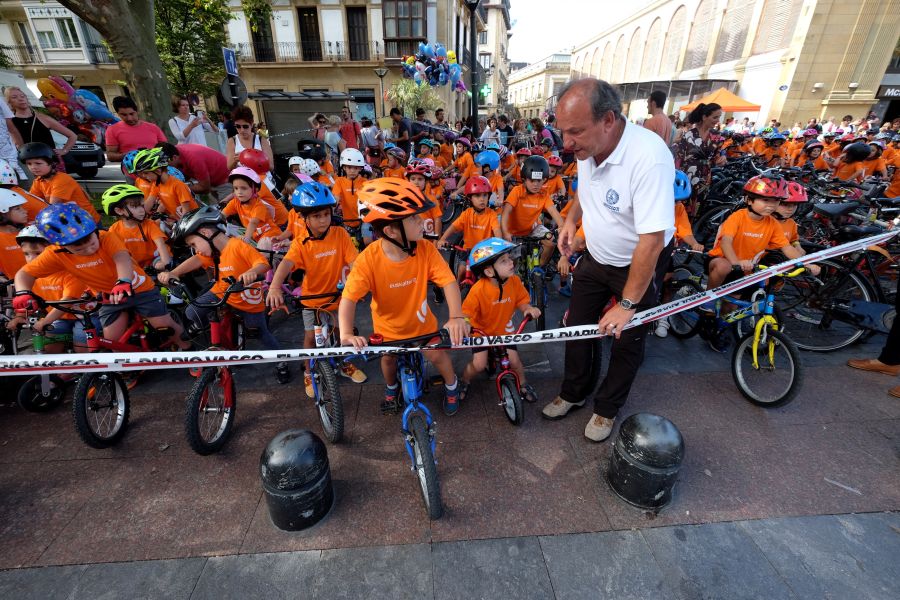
(888, 91)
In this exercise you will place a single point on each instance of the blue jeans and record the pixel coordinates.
(200, 316)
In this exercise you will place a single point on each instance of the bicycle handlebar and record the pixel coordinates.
(376, 339)
(234, 287)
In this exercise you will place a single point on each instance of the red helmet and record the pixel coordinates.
(255, 159)
(555, 161)
(767, 187)
(477, 185)
(795, 192)
(418, 168)
(523, 152)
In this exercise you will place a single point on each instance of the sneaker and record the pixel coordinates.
(350, 371)
(451, 400)
(391, 404)
(598, 428)
(282, 373)
(528, 393)
(307, 383)
(720, 342)
(559, 408)
(662, 327)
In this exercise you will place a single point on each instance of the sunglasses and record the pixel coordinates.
(242, 126)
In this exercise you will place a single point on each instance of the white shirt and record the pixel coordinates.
(177, 125)
(7, 147)
(629, 193)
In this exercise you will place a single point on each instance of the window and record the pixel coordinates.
(782, 19)
(482, 37)
(47, 39)
(485, 60)
(310, 42)
(358, 32)
(403, 20)
(67, 33)
(365, 102)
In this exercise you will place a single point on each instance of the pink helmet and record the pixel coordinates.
(244, 173)
(811, 132)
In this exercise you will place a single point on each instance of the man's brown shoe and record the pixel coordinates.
(895, 391)
(874, 365)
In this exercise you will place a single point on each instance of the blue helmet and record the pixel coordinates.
(312, 196)
(176, 174)
(128, 160)
(493, 146)
(490, 158)
(485, 252)
(775, 136)
(682, 186)
(65, 223)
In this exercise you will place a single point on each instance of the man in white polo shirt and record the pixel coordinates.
(626, 199)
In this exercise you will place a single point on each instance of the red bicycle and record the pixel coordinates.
(509, 389)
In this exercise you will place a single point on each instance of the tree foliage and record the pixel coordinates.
(408, 96)
(5, 62)
(189, 36)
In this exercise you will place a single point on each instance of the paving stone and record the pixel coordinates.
(43, 583)
(491, 570)
(155, 579)
(613, 564)
(717, 560)
(271, 576)
(389, 572)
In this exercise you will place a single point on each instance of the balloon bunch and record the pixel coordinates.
(79, 110)
(435, 65)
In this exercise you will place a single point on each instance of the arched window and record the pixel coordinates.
(618, 66)
(701, 31)
(579, 64)
(733, 34)
(606, 63)
(595, 62)
(674, 42)
(780, 17)
(633, 62)
(650, 62)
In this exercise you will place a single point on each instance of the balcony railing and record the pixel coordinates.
(100, 55)
(301, 52)
(22, 54)
(396, 48)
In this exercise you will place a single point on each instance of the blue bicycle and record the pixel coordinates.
(533, 274)
(417, 423)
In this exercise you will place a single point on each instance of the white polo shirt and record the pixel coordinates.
(630, 193)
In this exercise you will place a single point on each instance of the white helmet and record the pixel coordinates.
(29, 232)
(294, 160)
(310, 168)
(351, 157)
(9, 199)
(7, 175)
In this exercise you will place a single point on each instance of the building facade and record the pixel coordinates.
(492, 55)
(336, 46)
(42, 38)
(797, 59)
(533, 88)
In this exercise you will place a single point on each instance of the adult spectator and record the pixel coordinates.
(319, 124)
(507, 135)
(419, 129)
(333, 139)
(401, 138)
(658, 122)
(829, 125)
(188, 128)
(230, 129)
(847, 124)
(350, 130)
(491, 133)
(540, 131)
(131, 132)
(439, 119)
(696, 152)
(245, 138)
(625, 200)
(522, 138)
(204, 168)
(35, 126)
(373, 141)
(10, 139)
(888, 361)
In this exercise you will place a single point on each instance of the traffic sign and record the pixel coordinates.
(230, 61)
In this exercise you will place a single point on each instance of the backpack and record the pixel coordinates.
(557, 140)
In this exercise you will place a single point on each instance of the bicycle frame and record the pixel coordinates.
(411, 370)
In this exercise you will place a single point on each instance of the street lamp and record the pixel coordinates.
(473, 51)
(381, 72)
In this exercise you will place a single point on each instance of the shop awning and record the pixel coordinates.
(727, 100)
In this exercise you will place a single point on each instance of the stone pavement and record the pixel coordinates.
(761, 507)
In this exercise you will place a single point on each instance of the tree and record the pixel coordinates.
(189, 37)
(408, 95)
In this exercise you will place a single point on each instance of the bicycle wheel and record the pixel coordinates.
(511, 399)
(748, 324)
(425, 467)
(100, 409)
(329, 402)
(684, 324)
(707, 225)
(210, 411)
(539, 298)
(811, 305)
(777, 379)
(32, 398)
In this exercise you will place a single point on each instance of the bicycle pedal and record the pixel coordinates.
(390, 408)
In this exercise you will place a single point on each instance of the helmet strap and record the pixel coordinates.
(310, 236)
(404, 244)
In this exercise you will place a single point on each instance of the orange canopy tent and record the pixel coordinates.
(728, 101)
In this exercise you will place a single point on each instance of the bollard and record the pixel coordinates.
(296, 479)
(645, 460)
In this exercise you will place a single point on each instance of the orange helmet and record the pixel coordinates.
(767, 187)
(555, 161)
(392, 199)
(255, 159)
(477, 185)
(796, 192)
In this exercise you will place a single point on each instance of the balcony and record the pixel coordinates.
(309, 52)
(396, 48)
(22, 54)
(100, 55)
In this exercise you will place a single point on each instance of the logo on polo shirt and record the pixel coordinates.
(612, 196)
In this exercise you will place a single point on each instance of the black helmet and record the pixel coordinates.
(37, 150)
(535, 167)
(737, 138)
(858, 151)
(189, 224)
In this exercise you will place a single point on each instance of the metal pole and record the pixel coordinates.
(473, 50)
(381, 79)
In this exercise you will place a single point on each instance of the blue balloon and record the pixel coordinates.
(441, 51)
(428, 51)
(443, 79)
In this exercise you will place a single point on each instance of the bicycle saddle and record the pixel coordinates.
(835, 210)
(849, 233)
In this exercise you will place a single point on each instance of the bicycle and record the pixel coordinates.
(533, 274)
(508, 388)
(417, 423)
(458, 261)
(43, 393)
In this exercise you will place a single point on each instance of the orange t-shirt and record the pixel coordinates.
(98, 271)
(445, 156)
(496, 181)
(253, 209)
(507, 162)
(820, 165)
(399, 172)
(296, 224)
(173, 194)
(772, 155)
(749, 237)
(554, 185)
(476, 227)
(515, 174)
(564, 212)
(526, 209)
(490, 313)
(874, 165)
(61, 185)
(345, 191)
(682, 223)
(33, 204)
(845, 170)
(11, 257)
(59, 286)
(431, 218)
(464, 163)
(139, 240)
(325, 263)
(399, 289)
(235, 259)
(889, 154)
(279, 211)
(789, 227)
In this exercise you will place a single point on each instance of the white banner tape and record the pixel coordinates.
(105, 362)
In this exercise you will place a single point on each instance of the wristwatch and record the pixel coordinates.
(626, 304)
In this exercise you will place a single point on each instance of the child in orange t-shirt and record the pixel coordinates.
(9, 180)
(167, 194)
(785, 212)
(418, 173)
(48, 184)
(396, 270)
(394, 163)
(514, 176)
(142, 236)
(233, 258)
(254, 215)
(526, 203)
(465, 162)
(346, 188)
(554, 186)
(490, 305)
(477, 223)
(324, 256)
(12, 218)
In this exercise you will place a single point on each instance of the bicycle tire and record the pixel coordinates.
(707, 225)
(685, 324)
(32, 399)
(539, 298)
(425, 467)
(804, 306)
(511, 399)
(451, 213)
(202, 439)
(85, 406)
(329, 403)
(787, 359)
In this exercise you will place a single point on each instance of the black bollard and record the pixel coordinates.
(645, 460)
(296, 479)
